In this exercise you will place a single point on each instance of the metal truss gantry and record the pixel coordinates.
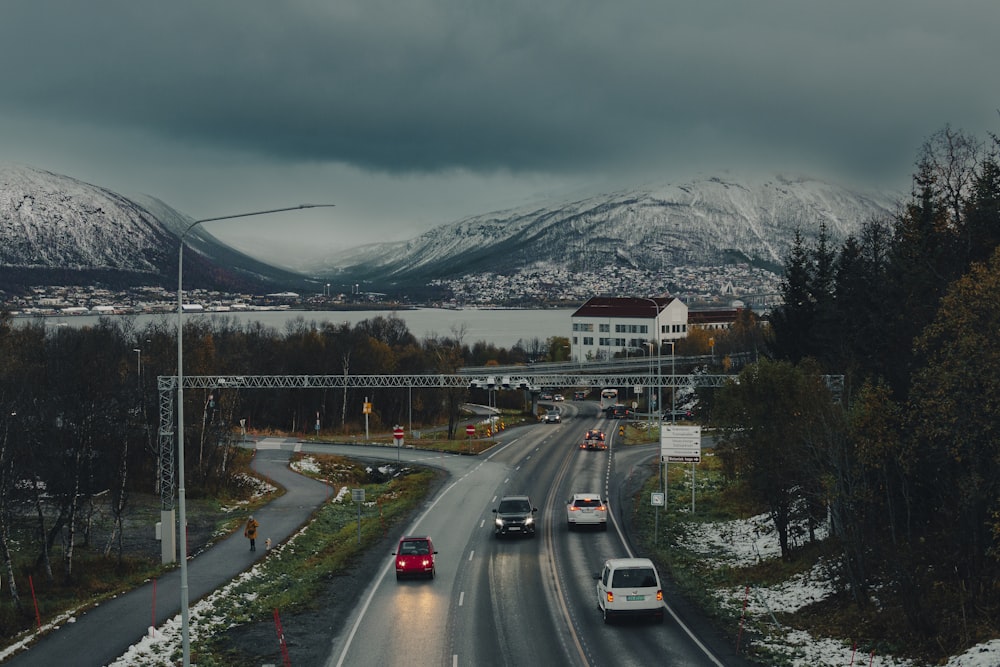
(167, 386)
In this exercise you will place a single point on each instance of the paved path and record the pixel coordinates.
(104, 633)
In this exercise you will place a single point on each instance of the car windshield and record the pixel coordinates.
(418, 547)
(514, 506)
(634, 577)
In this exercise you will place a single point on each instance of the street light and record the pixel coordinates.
(181, 501)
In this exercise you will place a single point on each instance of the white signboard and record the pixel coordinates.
(680, 443)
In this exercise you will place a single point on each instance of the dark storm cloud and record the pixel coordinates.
(414, 86)
(514, 92)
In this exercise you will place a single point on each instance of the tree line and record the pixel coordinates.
(906, 465)
(79, 411)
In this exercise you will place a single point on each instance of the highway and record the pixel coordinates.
(515, 601)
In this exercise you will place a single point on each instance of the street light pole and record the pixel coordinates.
(181, 501)
(138, 366)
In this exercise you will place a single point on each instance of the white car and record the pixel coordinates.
(630, 587)
(558, 397)
(552, 417)
(586, 509)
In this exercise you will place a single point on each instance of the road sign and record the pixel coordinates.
(470, 430)
(656, 499)
(358, 495)
(680, 443)
(397, 433)
(366, 408)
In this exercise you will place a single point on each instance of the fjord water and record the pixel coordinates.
(499, 327)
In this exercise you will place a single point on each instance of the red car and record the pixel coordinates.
(415, 557)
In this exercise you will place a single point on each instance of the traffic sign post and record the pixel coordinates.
(397, 434)
(470, 431)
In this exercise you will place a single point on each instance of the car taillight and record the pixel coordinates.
(600, 508)
(659, 596)
(611, 596)
(573, 509)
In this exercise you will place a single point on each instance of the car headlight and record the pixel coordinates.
(499, 522)
(530, 519)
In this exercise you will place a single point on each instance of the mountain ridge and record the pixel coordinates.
(59, 228)
(704, 221)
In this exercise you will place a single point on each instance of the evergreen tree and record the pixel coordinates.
(793, 321)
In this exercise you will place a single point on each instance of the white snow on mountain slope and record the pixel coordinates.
(697, 222)
(53, 221)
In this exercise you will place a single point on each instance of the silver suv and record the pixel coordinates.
(630, 587)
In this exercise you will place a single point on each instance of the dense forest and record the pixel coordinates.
(906, 464)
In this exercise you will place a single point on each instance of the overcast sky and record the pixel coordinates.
(411, 113)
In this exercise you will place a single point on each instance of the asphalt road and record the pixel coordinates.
(493, 602)
(523, 600)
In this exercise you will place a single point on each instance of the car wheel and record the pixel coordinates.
(569, 526)
(432, 573)
(398, 576)
(607, 616)
(604, 526)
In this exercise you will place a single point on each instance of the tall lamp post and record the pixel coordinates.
(138, 365)
(181, 501)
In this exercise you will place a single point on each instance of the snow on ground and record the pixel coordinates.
(749, 541)
(734, 543)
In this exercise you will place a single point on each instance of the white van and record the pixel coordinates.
(630, 587)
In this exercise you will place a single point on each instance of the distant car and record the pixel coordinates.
(594, 439)
(545, 396)
(678, 415)
(515, 515)
(629, 587)
(579, 395)
(586, 509)
(552, 417)
(558, 397)
(618, 411)
(415, 557)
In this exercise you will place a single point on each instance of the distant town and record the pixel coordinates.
(539, 287)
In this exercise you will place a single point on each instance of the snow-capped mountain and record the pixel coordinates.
(56, 229)
(705, 221)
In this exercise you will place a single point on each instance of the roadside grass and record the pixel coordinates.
(293, 576)
(716, 586)
(436, 438)
(96, 576)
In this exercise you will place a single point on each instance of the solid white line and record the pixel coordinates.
(461, 598)
(471, 554)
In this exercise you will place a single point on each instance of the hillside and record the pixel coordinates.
(57, 230)
(701, 222)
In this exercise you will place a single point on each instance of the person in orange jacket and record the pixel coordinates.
(250, 532)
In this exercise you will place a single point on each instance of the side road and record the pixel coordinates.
(104, 633)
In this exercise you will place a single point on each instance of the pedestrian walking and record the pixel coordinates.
(250, 532)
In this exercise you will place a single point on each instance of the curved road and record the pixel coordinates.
(514, 601)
